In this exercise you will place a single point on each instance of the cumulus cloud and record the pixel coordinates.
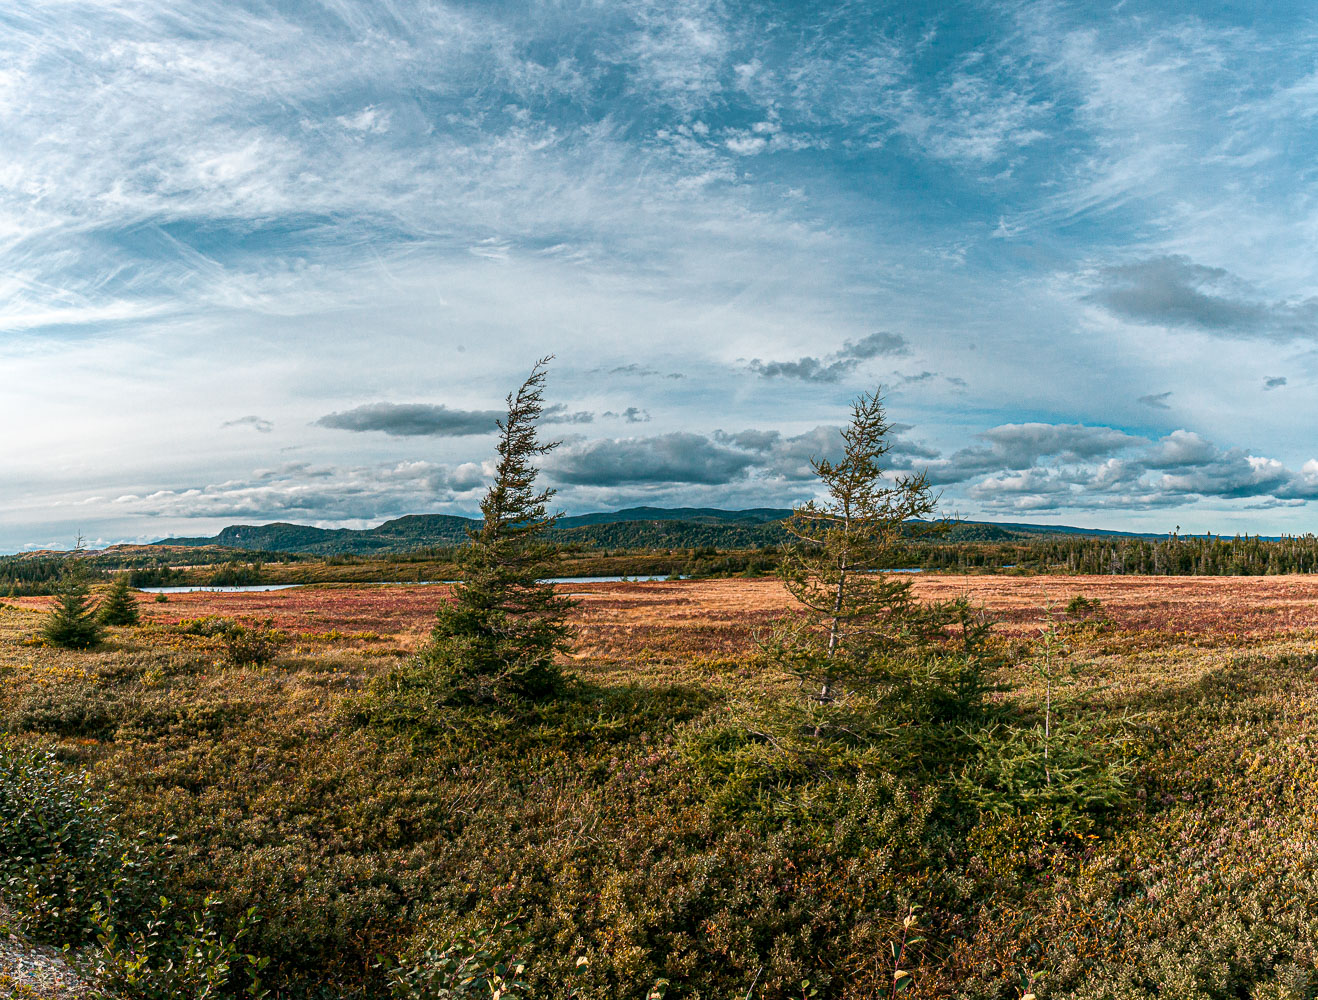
(558, 413)
(306, 492)
(791, 457)
(1041, 467)
(768, 457)
(806, 369)
(256, 423)
(834, 367)
(679, 457)
(759, 465)
(1020, 446)
(413, 420)
(1173, 290)
(1030, 468)
(875, 345)
(632, 415)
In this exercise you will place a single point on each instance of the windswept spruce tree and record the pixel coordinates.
(118, 606)
(840, 546)
(498, 636)
(72, 620)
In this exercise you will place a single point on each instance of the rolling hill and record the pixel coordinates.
(633, 528)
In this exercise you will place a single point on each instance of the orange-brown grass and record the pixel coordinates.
(713, 617)
(730, 608)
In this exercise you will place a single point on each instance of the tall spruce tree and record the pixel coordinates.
(72, 620)
(118, 606)
(498, 636)
(840, 546)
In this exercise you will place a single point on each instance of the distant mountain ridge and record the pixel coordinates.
(639, 527)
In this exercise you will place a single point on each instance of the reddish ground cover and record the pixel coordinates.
(713, 615)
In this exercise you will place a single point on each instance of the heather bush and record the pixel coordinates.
(251, 645)
(72, 707)
(207, 626)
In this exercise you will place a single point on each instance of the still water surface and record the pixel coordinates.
(262, 587)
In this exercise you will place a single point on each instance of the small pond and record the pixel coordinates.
(262, 587)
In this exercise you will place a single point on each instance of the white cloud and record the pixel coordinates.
(215, 210)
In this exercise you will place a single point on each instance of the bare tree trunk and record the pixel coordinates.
(825, 691)
(1047, 730)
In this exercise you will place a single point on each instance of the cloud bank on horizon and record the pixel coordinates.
(263, 262)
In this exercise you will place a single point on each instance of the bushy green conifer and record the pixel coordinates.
(841, 544)
(118, 606)
(72, 620)
(498, 637)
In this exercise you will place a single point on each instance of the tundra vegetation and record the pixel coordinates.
(1092, 790)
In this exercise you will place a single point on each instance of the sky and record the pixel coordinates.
(283, 261)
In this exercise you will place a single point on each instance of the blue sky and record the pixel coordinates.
(282, 261)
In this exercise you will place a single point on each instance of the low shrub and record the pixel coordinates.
(207, 626)
(476, 966)
(242, 645)
(1082, 605)
(1072, 777)
(251, 645)
(70, 878)
(172, 955)
(58, 854)
(79, 708)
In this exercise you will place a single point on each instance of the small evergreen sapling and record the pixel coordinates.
(72, 621)
(118, 607)
(840, 545)
(498, 636)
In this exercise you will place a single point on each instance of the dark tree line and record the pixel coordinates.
(1174, 555)
(22, 576)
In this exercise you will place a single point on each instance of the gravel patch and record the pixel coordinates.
(34, 971)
